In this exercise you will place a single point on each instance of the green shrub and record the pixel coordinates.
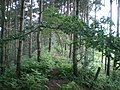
(8, 80)
(85, 77)
(33, 81)
(66, 71)
(70, 86)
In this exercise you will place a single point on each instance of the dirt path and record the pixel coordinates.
(55, 82)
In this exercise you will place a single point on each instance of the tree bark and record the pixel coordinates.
(39, 35)
(49, 48)
(20, 45)
(75, 56)
(75, 69)
(70, 47)
(117, 35)
(2, 35)
(108, 66)
(31, 34)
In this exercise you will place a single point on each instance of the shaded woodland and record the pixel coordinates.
(59, 45)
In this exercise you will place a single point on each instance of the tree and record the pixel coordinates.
(39, 35)
(31, 34)
(75, 37)
(117, 35)
(118, 11)
(109, 55)
(50, 34)
(20, 43)
(2, 36)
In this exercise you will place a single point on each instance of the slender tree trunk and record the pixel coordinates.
(108, 65)
(65, 43)
(2, 35)
(20, 45)
(6, 32)
(50, 36)
(75, 56)
(70, 47)
(31, 34)
(86, 15)
(118, 8)
(102, 57)
(16, 30)
(39, 35)
(117, 35)
(39, 41)
(75, 37)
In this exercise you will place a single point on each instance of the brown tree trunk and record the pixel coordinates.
(39, 35)
(118, 8)
(75, 37)
(117, 35)
(75, 69)
(105, 63)
(6, 36)
(49, 47)
(16, 29)
(31, 34)
(2, 36)
(108, 64)
(20, 45)
(70, 47)
(39, 42)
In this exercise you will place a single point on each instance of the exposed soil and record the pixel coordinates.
(55, 82)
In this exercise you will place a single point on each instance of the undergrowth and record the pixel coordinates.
(35, 75)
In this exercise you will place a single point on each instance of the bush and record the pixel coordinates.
(70, 86)
(34, 76)
(33, 81)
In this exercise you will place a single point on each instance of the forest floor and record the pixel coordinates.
(54, 81)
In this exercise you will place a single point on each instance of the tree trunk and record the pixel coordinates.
(75, 56)
(50, 36)
(39, 35)
(2, 35)
(16, 30)
(117, 35)
(70, 47)
(75, 37)
(31, 34)
(108, 66)
(118, 8)
(20, 45)
(105, 63)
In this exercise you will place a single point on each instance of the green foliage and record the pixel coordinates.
(70, 86)
(8, 80)
(85, 77)
(44, 67)
(33, 81)
(106, 83)
(66, 71)
(103, 82)
(34, 75)
(64, 66)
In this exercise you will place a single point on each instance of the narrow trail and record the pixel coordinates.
(55, 82)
